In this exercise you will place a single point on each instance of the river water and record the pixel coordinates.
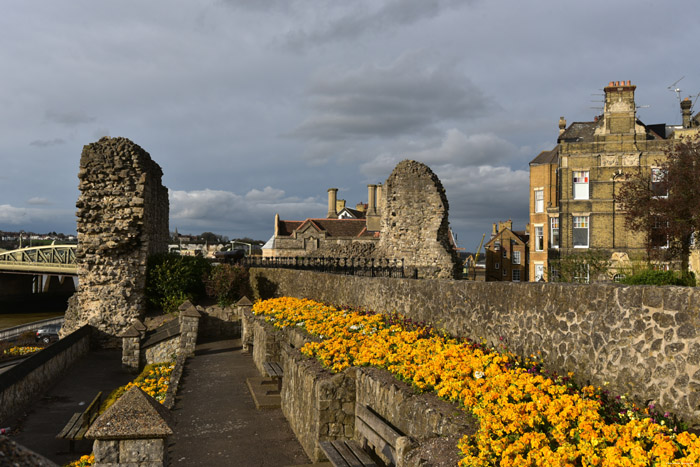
(14, 312)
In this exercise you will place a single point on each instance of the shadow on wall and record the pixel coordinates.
(264, 288)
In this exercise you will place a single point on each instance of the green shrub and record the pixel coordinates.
(651, 277)
(228, 283)
(172, 279)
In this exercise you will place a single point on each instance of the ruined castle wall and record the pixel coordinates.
(643, 340)
(122, 218)
(414, 223)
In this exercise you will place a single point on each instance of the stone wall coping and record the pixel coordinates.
(161, 333)
(135, 415)
(190, 312)
(245, 301)
(138, 325)
(130, 332)
(16, 454)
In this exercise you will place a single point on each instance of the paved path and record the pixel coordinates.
(37, 428)
(216, 422)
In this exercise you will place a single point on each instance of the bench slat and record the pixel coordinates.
(361, 455)
(69, 426)
(374, 439)
(332, 454)
(378, 425)
(347, 454)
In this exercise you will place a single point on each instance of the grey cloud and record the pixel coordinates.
(361, 18)
(69, 118)
(408, 96)
(43, 143)
(39, 201)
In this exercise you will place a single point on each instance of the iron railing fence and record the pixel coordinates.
(353, 266)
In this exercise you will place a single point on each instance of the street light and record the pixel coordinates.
(250, 246)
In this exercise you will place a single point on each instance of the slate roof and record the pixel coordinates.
(338, 227)
(579, 132)
(287, 227)
(546, 157)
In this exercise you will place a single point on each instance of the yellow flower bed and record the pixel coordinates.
(153, 380)
(524, 418)
(23, 350)
(84, 461)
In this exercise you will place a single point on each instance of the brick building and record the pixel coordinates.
(574, 187)
(506, 254)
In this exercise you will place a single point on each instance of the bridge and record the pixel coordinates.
(50, 259)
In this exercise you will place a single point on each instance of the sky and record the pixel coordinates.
(257, 107)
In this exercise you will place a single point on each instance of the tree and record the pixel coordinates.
(664, 203)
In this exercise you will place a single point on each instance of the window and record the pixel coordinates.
(580, 184)
(658, 184)
(539, 238)
(505, 253)
(659, 233)
(539, 200)
(497, 265)
(554, 232)
(553, 273)
(516, 275)
(497, 245)
(516, 257)
(581, 274)
(505, 272)
(581, 224)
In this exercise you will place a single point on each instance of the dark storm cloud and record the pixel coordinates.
(408, 96)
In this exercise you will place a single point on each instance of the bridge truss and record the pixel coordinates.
(50, 259)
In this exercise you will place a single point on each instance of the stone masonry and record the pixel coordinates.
(414, 222)
(122, 219)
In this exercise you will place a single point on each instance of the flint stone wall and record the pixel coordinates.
(122, 219)
(414, 222)
(643, 340)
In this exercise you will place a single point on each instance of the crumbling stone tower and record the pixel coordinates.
(414, 222)
(122, 214)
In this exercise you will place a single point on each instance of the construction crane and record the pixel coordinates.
(476, 256)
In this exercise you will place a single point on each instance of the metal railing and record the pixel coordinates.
(57, 259)
(368, 267)
(9, 333)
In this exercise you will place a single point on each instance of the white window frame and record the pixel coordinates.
(539, 246)
(539, 200)
(580, 221)
(540, 267)
(516, 257)
(581, 188)
(497, 265)
(505, 253)
(513, 274)
(583, 278)
(552, 220)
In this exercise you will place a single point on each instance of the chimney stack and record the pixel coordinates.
(562, 125)
(332, 196)
(372, 199)
(686, 105)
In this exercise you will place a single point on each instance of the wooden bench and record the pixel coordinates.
(274, 371)
(80, 422)
(376, 435)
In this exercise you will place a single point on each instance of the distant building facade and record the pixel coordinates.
(506, 254)
(574, 188)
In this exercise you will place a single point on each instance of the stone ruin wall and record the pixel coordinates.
(414, 222)
(123, 211)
